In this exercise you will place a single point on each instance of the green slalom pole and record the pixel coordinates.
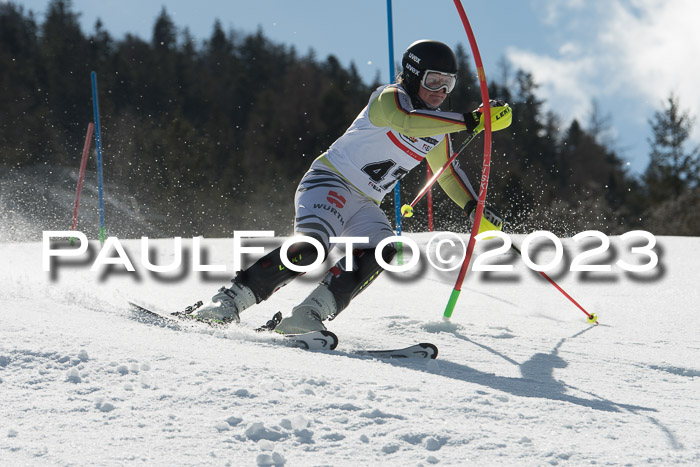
(451, 303)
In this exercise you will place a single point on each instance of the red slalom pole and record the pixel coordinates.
(81, 174)
(591, 317)
(430, 202)
(485, 168)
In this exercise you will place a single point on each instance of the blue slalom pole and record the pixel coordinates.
(98, 142)
(397, 187)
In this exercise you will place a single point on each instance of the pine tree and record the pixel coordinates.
(674, 165)
(672, 178)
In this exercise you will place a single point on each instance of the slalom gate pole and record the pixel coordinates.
(591, 317)
(397, 187)
(486, 166)
(98, 142)
(81, 176)
(430, 200)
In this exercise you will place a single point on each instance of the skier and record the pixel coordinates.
(341, 192)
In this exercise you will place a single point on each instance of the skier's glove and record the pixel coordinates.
(490, 220)
(501, 117)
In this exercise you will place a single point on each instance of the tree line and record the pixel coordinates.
(214, 135)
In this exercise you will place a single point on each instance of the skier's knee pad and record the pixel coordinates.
(346, 285)
(269, 273)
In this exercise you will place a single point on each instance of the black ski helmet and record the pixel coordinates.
(425, 55)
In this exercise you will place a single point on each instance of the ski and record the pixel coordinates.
(315, 340)
(421, 351)
(177, 317)
(326, 340)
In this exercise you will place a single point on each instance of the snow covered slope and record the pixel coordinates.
(521, 379)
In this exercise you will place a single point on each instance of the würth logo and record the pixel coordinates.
(335, 199)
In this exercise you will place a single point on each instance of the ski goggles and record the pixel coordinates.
(437, 80)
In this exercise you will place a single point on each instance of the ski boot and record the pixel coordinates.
(309, 315)
(226, 306)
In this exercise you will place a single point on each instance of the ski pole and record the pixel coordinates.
(486, 165)
(407, 209)
(591, 317)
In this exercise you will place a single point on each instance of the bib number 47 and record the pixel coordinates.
(378, 172)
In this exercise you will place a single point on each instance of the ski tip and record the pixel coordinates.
(136, 307)
(433, 347)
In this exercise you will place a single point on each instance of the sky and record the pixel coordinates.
(622, 57)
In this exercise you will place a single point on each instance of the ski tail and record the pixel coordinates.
(315, 340)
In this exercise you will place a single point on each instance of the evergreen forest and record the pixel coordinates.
(214, 135)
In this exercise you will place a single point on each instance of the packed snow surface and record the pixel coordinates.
(521, 378)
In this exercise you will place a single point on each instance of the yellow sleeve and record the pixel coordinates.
(392, 108)
(453, 180)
